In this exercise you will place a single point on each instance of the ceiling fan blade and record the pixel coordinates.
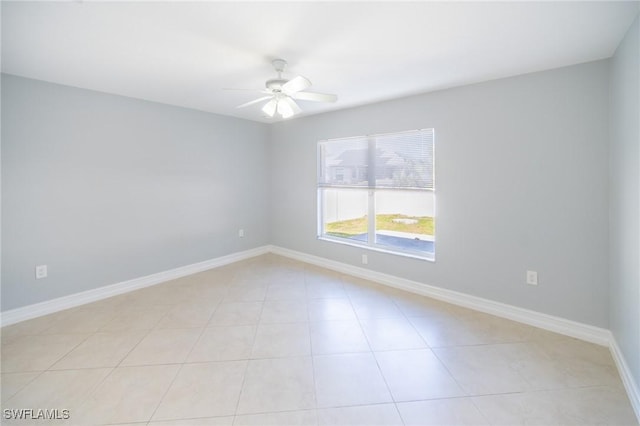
(255, 101)
(317, 97)
(296, 84)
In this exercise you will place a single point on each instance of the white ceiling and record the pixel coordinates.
(185, 53)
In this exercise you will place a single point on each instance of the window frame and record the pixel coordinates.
(372, 189)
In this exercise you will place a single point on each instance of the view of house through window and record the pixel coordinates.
(378, 191)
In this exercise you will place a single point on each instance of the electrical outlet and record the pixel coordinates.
(41, 271)
(241, 233)
(532, 278)
(365, 259)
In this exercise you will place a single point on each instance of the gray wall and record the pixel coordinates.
(624, 249)
(521, 175)
(103, 188)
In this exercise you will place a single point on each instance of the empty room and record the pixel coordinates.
(320, 213)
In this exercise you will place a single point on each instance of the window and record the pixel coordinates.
(378, 191)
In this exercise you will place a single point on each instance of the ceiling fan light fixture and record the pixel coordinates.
(284, 109)
(270, 107)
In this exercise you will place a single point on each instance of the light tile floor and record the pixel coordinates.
(270, 341)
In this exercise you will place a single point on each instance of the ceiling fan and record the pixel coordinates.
(282, 93)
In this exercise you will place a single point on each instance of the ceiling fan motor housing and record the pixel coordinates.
(276, 84)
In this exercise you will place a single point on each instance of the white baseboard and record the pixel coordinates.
(633, 392)
(61, 303)
(559, 325)
(547, 322)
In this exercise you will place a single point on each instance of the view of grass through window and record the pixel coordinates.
(423, 225)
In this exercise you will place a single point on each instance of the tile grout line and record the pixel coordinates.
(246, 367)
(457, 382)
(164, 395)
(40, 373)
(404, 315)
(147, 365)
(312, 356)
(179, 369)
(358, 319)
(182, 364)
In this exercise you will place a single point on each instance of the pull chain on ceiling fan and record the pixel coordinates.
(282, 92)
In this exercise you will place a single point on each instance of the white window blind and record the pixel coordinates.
(398, 160)
(344, 162)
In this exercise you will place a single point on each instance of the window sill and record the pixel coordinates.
(430, 257)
